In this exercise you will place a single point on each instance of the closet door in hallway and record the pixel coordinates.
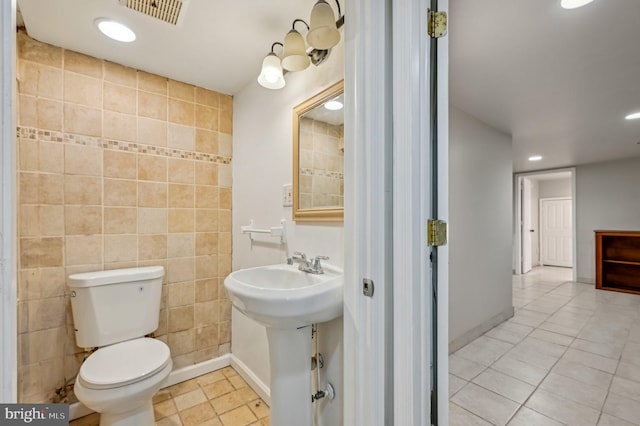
(556, 228)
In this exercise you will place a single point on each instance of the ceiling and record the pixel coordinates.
(217, 44)
(559, 81)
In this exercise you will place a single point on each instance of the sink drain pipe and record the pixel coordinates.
(317, 362)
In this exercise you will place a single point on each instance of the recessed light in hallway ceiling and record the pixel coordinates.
(535, 158)
(633, 116)
(574, 4)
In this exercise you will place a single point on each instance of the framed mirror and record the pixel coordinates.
(318, 156)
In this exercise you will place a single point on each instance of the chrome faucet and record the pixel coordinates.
(311, 266)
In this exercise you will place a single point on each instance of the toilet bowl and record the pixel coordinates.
(120, 380)
(114, 311)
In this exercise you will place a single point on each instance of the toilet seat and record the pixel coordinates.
(124, 363)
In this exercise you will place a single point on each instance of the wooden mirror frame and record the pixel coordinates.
(314, 214)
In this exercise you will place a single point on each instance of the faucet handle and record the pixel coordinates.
(299, 255)
(316, 263)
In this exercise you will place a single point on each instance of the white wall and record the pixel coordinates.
(555, 188)
(262, 156)
(607, 197)
(480, 213)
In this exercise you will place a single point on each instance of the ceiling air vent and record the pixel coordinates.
(165, 10)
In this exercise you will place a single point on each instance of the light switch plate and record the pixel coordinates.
(287, 195)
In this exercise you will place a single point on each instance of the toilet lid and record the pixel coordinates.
(124, 363)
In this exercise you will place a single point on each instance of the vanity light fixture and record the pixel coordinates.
(115, 30)
(322, 35)
(535, 158)
(574, 4)
(634, 116)
(271, 75)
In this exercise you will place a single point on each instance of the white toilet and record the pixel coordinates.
(114, 310)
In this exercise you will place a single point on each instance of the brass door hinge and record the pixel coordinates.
(437, 230)
(437, 26)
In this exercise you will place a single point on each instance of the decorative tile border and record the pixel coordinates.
(115, 145)
(323, 173)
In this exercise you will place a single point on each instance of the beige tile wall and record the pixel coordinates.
(118, 168)
(321, 164)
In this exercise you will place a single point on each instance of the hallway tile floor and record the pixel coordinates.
(570, 355)
(220, 398)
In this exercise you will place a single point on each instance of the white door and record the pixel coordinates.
(556, 229)
(526, 225)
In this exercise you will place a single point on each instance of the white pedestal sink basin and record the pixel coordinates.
(287, 301)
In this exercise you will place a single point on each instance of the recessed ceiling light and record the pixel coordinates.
(574, 4)
(633, 116)
(115, 30)
(535, 158)
(333, 105)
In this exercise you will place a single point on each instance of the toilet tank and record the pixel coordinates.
(116, 305)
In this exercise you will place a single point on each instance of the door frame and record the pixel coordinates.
(412, 205)
(517, 229)
(372, 375)
(540, 226)
(8, 224)
(386, 337)
(524, 242)
(367, 214)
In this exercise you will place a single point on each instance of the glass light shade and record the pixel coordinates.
(323, 33)
(574, 4)
(271, 75)
(295, 56)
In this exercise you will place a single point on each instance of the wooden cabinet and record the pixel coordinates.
(618, 261)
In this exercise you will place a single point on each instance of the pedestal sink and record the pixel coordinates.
(287, 301)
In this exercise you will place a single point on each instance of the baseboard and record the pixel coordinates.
(78, 409)
(586, 280)
(191, 371)
(479, 330)
(252, 380)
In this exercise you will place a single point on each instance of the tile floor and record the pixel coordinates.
(220, 398)
(570, 355)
